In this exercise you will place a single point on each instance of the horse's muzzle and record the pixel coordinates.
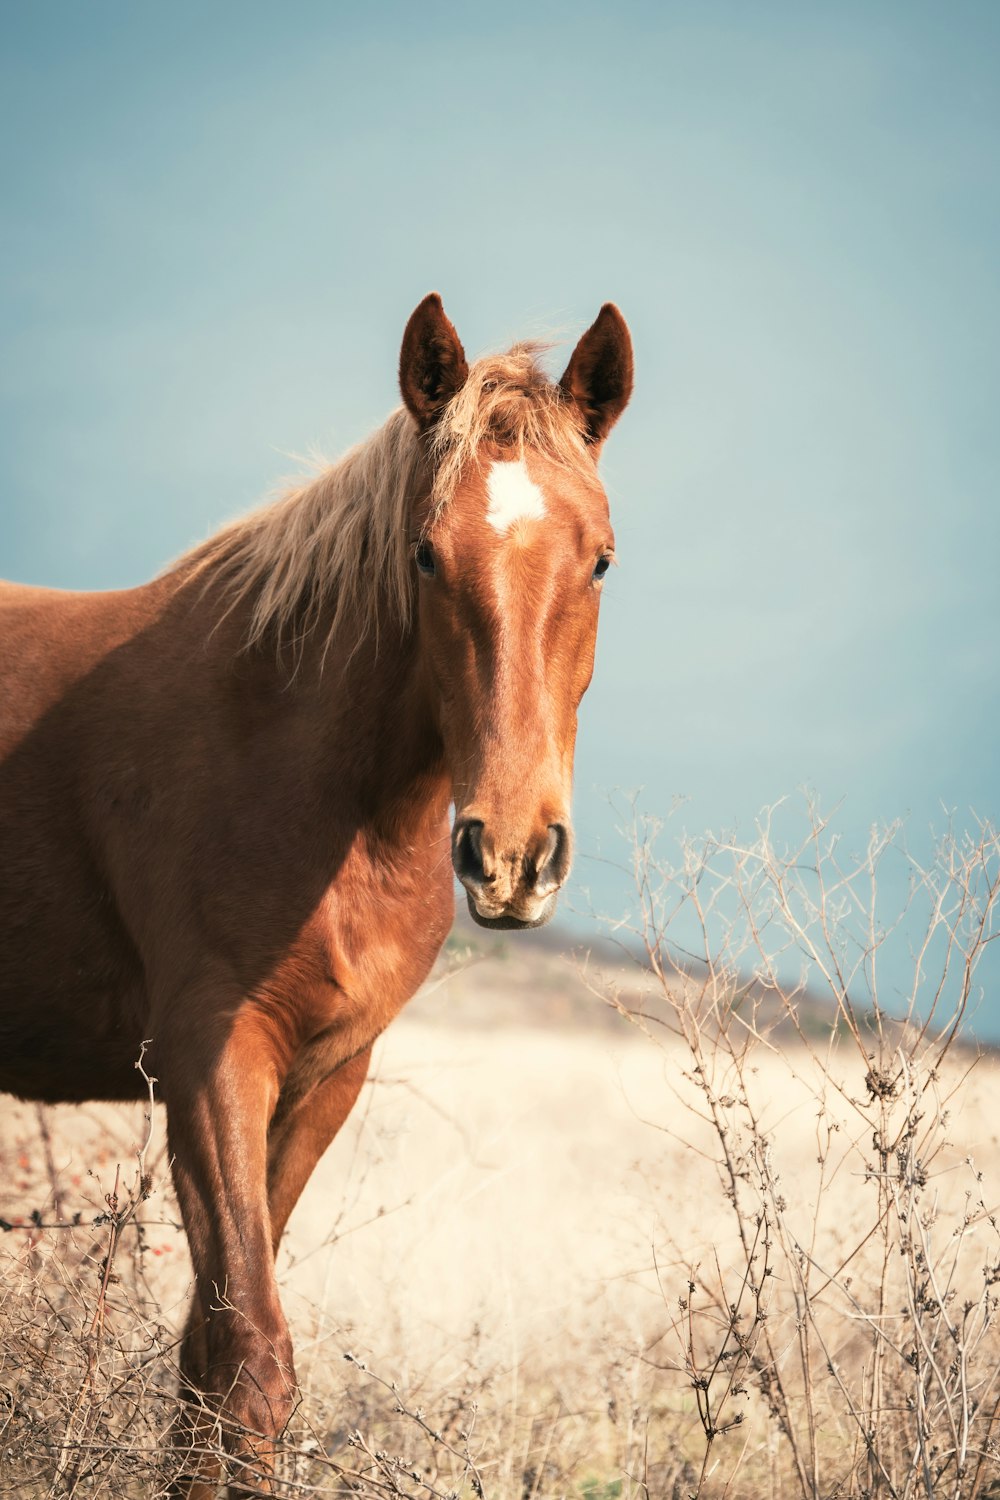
(510, 887)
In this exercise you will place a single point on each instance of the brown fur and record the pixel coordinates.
(244, 857)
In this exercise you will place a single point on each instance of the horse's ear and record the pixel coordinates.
(432, 365)
(599, 375)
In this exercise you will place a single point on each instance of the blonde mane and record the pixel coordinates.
(339, 547)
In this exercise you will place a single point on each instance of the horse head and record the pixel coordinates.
(510, 546)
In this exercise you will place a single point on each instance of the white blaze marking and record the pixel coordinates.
(514, 496)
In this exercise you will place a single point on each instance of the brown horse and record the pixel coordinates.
(224, 797)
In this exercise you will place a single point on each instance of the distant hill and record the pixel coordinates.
(552, 977)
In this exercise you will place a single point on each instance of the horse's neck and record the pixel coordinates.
(351, 721)
(367, 703)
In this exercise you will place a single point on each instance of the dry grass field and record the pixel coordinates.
(659, 1247)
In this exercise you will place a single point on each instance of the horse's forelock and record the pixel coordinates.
(508, 401)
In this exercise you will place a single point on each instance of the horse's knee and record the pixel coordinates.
(250, 1378)
(255, 1410)
(238, 1393)
(257, 1402)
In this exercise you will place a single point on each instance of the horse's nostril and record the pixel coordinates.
(553, 864)
(551, 845)
(467, 851)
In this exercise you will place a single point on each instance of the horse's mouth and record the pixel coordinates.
(505, 922)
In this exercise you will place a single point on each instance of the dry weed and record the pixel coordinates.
(838, 1333)
(758, 1257)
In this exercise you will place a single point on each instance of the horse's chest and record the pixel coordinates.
(369, 947)
(386, 945)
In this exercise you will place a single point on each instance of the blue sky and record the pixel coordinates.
(218, 218)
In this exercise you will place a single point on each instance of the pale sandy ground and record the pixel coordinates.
(502, 1170)
(493, 1176)
(506, 1186)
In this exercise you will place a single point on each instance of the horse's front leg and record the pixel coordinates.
(303, 1126)
(239, 1361)
(302, 1129)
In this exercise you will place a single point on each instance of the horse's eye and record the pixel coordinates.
(603, 564)
(424, 558)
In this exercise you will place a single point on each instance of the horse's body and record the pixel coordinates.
(163, 804)
(224, 797)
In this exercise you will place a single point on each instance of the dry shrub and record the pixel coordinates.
(86, 1370)
(835, 1327)
(87, 1407)
(816, 1317)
